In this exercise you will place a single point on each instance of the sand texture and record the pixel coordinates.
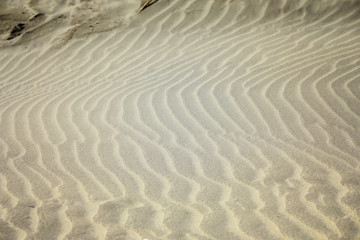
(193, 120)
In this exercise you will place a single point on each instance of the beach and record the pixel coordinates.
(191, 120)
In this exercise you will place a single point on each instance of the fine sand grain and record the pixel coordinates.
(195, 119)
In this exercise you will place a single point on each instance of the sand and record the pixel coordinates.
(195, 119)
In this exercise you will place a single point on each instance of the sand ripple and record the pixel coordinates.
(192, 120)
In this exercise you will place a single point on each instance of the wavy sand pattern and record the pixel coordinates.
(195, 119)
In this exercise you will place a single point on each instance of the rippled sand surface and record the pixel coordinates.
(195, 119)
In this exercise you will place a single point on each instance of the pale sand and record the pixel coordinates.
(196, 119)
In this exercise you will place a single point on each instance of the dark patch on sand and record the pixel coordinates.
(16, 31)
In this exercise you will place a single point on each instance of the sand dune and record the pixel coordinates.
(194, 119)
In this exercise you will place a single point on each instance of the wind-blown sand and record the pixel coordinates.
(195, 119)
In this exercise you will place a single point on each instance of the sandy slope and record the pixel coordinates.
(196, 119)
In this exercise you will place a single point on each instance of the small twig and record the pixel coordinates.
(144, 6)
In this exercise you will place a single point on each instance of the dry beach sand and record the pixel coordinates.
(195, 119)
